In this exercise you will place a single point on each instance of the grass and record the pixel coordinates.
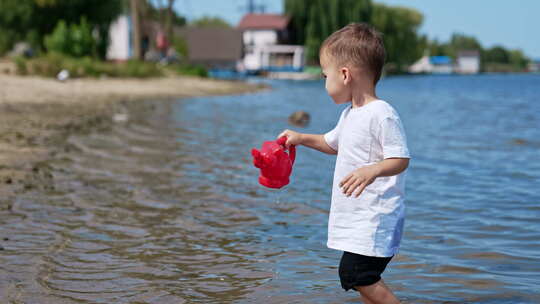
(492, 67)
(51, 64)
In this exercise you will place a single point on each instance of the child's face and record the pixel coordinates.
(337, 79)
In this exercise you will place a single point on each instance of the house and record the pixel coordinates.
(441, 64)
(433, 64)
(266, 44)
(214, 48)
(534, 66)
(468, 62)
(423, 65)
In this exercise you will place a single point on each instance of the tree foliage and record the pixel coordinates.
(497, 58)
(31, 20)
(399, 26)
(492, 59)
(314, 20)
(160, 13)
(497, 54)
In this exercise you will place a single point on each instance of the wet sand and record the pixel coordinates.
(37, 115)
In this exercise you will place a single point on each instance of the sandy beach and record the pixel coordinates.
(38, 114)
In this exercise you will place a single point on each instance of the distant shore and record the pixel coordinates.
(38, 114)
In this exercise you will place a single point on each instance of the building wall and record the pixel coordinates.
(253, 60)
(468, 65)
(534, 66)
(421, 66)
(260, 37)
(267, 57)
(442, 69)
(119, 39)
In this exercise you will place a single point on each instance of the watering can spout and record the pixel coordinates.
(257, 159)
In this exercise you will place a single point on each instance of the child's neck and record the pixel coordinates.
(363, 97)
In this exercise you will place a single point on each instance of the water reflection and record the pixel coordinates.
(166, 208)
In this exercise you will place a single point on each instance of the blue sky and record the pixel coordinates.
(513, 24)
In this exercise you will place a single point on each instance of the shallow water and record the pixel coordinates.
(166, 208)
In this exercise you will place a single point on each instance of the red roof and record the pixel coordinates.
(264, 21)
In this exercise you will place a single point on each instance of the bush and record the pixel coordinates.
(190, 70)
(60, 39)
(7, 39)
(141, 69)
(20, 66)
(51, 64)
(181, 47)
(75, 40)
(494, 67)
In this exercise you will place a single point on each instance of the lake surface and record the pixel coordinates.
(166, 208)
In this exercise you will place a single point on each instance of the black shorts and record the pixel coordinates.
(360, 270)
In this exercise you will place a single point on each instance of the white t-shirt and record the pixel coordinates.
(372, 223)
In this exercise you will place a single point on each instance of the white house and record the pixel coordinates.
(433, 64)
(421, 66)
(468, 62)
(534, 66)
(266, 47)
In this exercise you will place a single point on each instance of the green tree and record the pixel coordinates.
(518, 59)
(461, 42)
(436, 48)
(31, 20)
(298, 11)
(399, 26)
(458, 42)
(496, 54)
(500, 59)
(165, 14)
(314, 20)
(313, 35)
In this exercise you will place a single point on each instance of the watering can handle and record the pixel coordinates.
(292, 148)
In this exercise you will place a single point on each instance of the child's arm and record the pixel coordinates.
(360, 178)
(314, 141)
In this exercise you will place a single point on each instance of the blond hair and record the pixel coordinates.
(359, 45)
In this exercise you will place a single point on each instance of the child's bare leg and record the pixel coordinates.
(377, 293)
(365, 300)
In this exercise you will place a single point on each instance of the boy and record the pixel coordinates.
(367, 210)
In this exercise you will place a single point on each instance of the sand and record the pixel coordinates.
(37, 115)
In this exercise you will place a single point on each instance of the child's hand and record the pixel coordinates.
(293, 138)
(358, 180)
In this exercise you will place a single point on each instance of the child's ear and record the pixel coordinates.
(346, 75)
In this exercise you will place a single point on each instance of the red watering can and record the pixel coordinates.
(275, 164)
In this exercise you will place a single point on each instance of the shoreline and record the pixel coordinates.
(37, 115)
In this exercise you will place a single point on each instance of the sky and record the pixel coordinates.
(512, 24)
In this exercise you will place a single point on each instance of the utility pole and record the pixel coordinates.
(169, 23)
(252, 7)
(136, 29)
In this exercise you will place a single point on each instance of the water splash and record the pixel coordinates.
(275, 194)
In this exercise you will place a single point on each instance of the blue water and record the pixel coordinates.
(472, 229)
(166, 207)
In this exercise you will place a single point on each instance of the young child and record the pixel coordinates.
(367, 210)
